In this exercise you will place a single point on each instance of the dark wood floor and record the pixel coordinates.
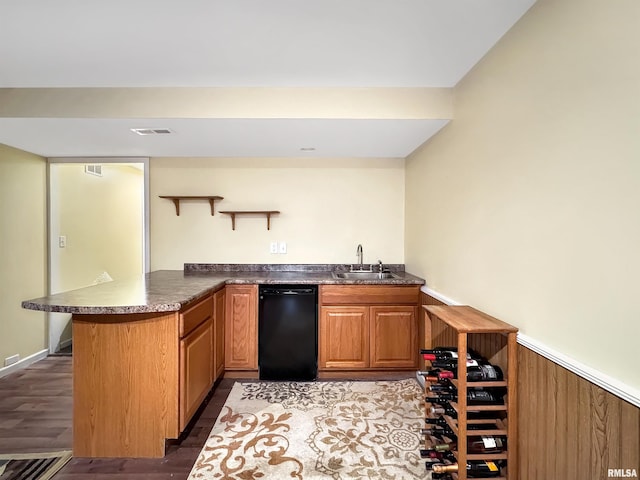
(35, 415)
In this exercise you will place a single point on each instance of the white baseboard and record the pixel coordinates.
(65, 343)
(438, 296)
(24, 363)
(610, 384)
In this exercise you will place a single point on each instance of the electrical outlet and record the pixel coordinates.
(273, 247)
(62, 241)
(282, 248)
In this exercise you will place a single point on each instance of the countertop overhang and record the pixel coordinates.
(171, 290)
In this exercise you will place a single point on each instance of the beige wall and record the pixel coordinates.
(23, 271)
(527, 204)
(327, 208)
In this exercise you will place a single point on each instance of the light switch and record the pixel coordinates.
(62, 241)
(282, 248)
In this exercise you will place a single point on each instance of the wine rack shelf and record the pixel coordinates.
(465, 321)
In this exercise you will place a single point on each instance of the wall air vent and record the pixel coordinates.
(93, 170)
(151, 131)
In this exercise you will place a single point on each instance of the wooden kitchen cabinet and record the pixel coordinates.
(196, 370)
(368, 327)
(344, 337)
(167, 357)
(393, 337)
(196, 357)
(241, 327)
(218, 334)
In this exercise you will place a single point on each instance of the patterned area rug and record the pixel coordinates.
(316, 430)
(32, 466)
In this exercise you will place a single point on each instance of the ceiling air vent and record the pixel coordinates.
(151, 131)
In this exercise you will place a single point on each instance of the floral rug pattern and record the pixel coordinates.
(316, 430)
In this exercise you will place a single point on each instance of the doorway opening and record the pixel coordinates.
(98, 226)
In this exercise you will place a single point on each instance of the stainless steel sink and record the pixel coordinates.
(363, 275)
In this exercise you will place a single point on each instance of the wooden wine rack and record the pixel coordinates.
(463, 322)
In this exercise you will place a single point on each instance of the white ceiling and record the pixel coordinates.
(231, 43)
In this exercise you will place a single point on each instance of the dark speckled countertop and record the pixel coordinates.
(170, 290)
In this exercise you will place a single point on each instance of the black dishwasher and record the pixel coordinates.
(288, 332)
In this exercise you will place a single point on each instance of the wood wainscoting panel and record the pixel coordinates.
(571, 429)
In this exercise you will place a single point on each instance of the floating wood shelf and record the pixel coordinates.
(176, 200)
(233, 214)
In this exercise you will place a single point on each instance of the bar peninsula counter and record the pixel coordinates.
(148, 350)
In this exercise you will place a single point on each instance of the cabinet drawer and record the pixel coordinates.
(195, 315)
(369, 294)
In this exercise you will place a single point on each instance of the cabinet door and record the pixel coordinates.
(343, 339)
(241, 333)
(195, 370)
(218, 334)
(394, 338)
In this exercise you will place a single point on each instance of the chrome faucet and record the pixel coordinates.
(359, 255)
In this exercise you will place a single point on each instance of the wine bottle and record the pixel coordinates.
(446, 409)
(449, 352)
(430, 373)
(475, 469)
(450, 411)
(439, 400)
(452, 364)
(438, 350)
(436, 375)
(436, 421)
(485, 444)
(434, 431)
(443, 386)
(437, 454)
(474, 397)
(481, 373)
(439, 432)
(444, 429)
(430, 462)
(441, 435)
(446, 357)
(483, 397)
(453, 357)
